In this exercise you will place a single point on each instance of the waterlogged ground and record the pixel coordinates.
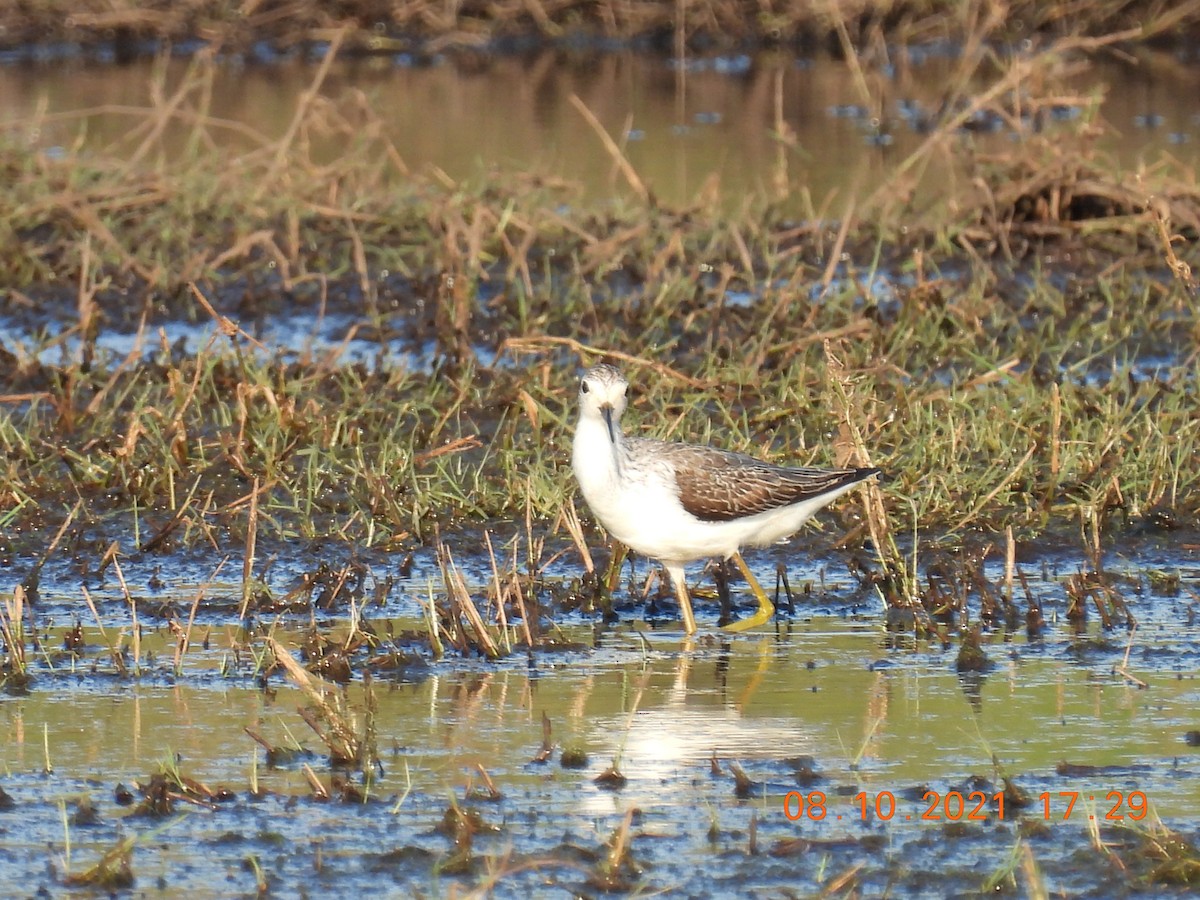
(825, 753)
(819, 715)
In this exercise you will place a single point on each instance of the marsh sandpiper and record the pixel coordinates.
(678, 503)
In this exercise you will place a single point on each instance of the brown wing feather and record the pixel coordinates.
(717, 486)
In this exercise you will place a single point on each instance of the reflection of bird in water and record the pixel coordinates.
(696, 725)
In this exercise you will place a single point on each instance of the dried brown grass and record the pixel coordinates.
(373, 26)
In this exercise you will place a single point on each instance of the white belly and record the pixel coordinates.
(641, 508)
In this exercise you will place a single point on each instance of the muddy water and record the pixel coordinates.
(821, 704)
(685, 128)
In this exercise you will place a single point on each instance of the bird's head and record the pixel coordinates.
(602, 394)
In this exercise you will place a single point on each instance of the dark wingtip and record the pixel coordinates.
(862, 474)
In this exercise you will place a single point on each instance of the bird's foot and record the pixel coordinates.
(762, 615)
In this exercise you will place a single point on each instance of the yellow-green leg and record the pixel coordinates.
(612, 577)
(679, 580)
(766, 608)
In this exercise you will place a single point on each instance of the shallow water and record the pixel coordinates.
(708, 130)
(869, 718)
(889, 724)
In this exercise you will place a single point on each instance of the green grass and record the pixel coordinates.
(956, 399)
(997, 391)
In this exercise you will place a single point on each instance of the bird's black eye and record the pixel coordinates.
(583, 388)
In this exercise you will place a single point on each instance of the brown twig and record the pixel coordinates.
(619, 159)
(539, 343)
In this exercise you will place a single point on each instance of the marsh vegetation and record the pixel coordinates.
(284, 430)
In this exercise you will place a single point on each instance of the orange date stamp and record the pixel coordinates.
(957, 806)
